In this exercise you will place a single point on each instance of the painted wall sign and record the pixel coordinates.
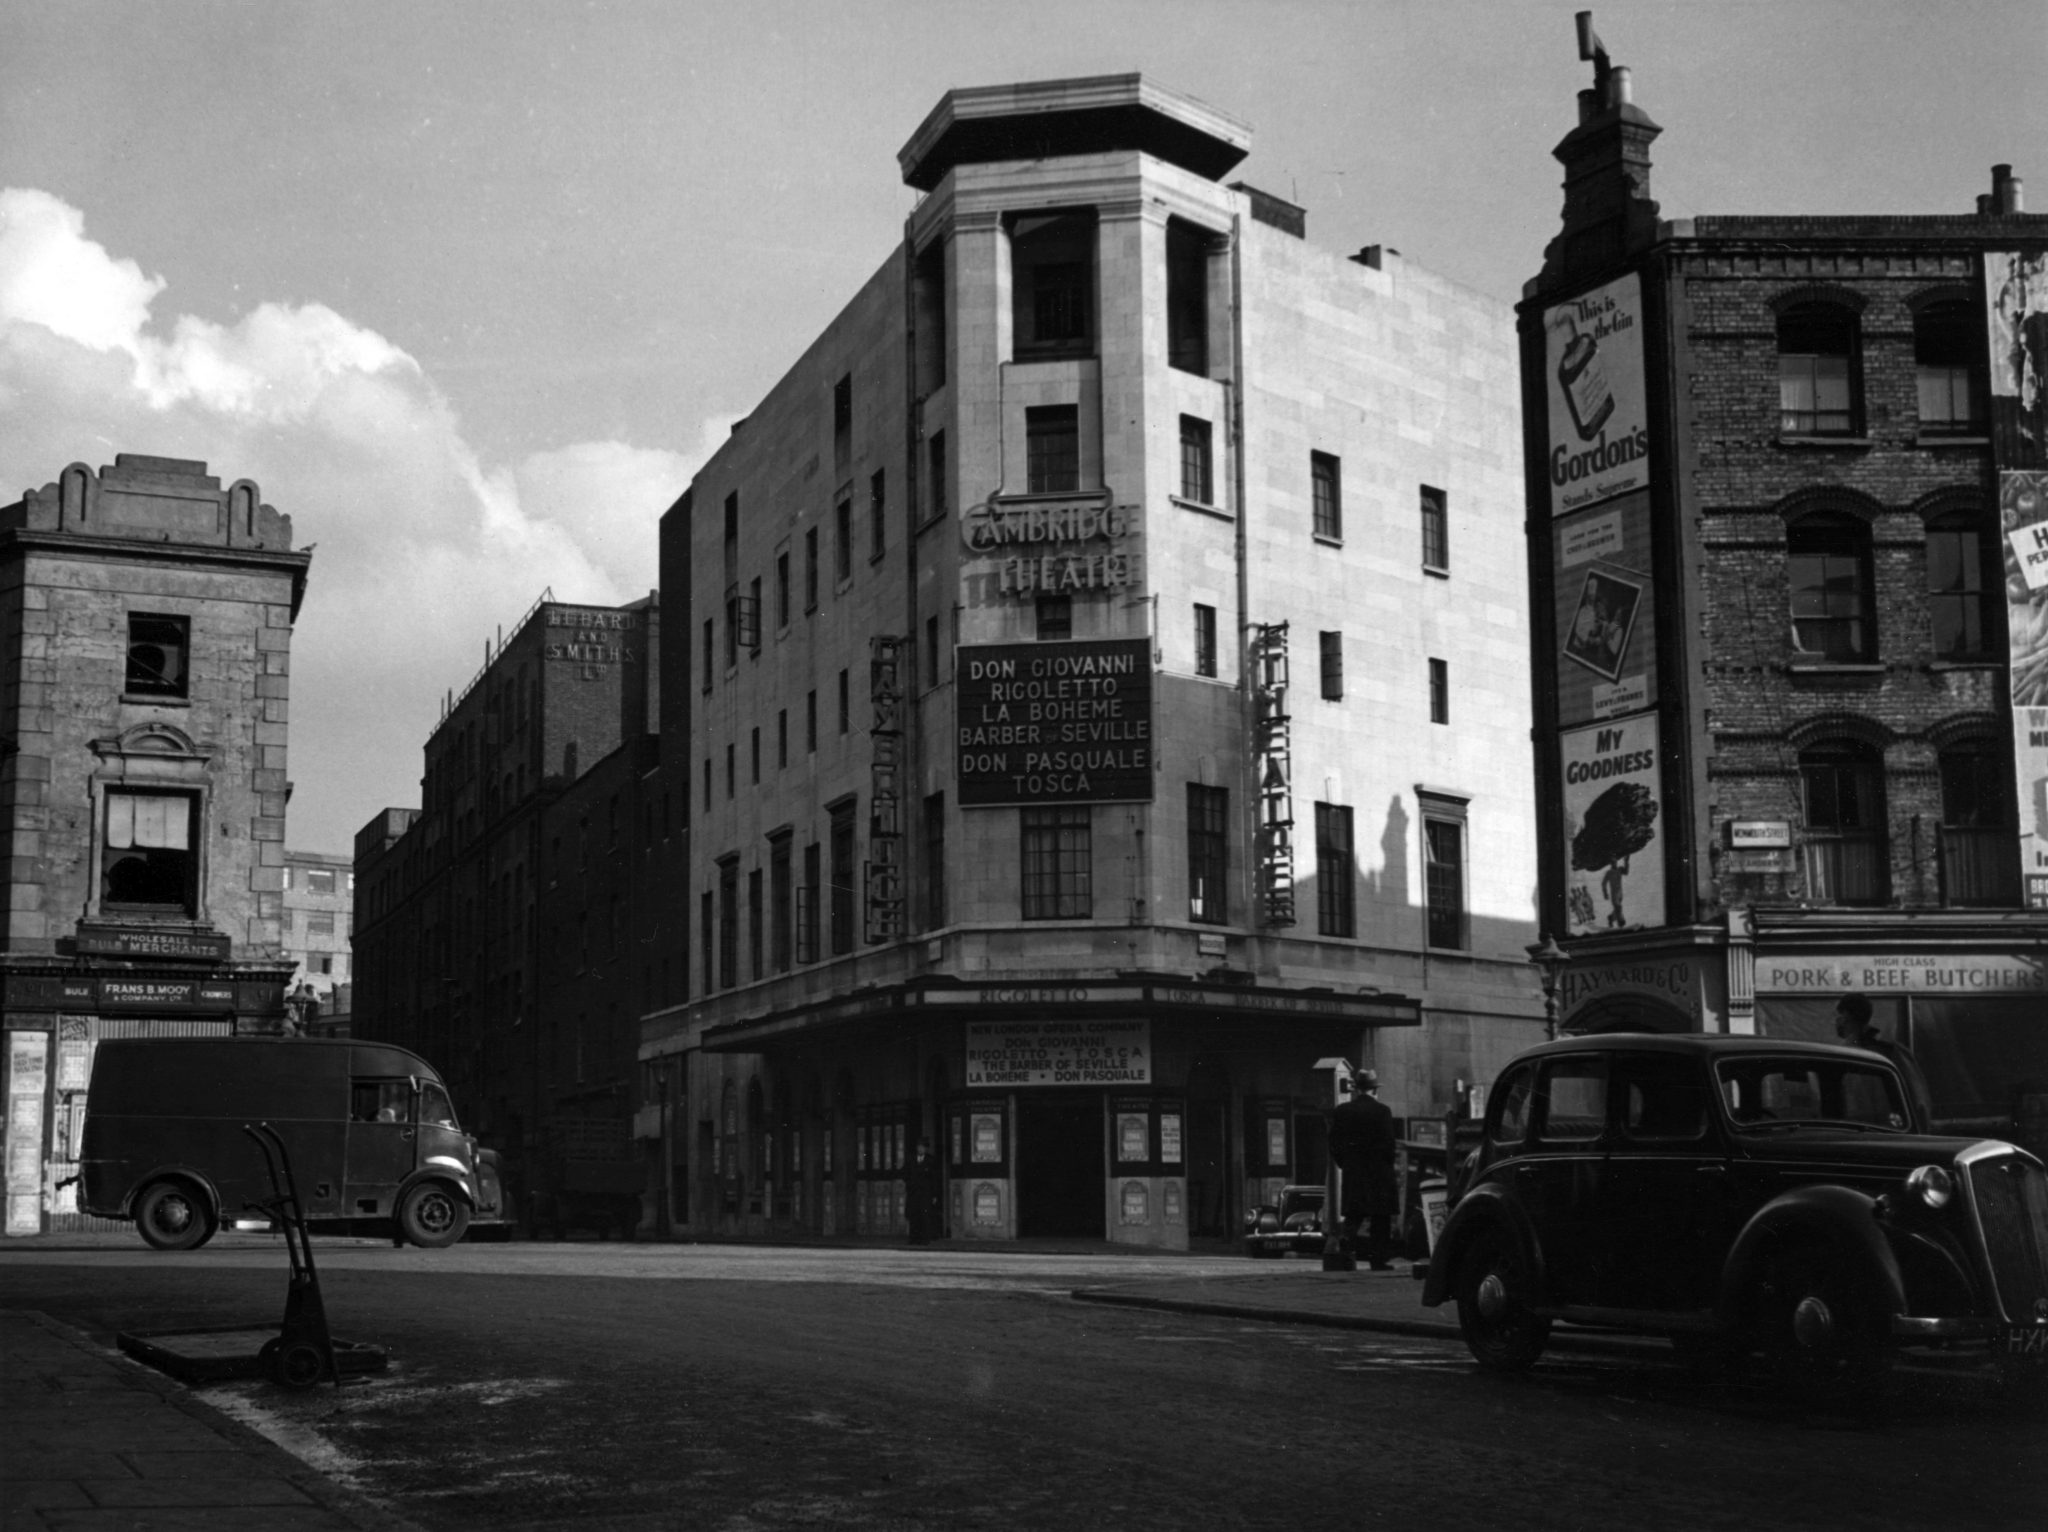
(117, 941)
(1599, 422)
(1613, 842)
(1032, 1053)
(1055, 722)
(1759, 834)
(1943, 973)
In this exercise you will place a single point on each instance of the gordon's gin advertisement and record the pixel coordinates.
(1599, 426)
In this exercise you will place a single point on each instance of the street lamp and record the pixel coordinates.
(1549, 959)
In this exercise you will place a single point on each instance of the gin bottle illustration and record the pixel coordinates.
(1583, 377)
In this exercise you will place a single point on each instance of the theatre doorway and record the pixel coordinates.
(1061, 1169)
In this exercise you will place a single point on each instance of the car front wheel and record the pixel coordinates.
(172, 1216)
(1823, 1331)
(1494, 1289)
(432, 1216)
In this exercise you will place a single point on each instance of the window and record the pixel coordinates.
(842, 540)
(319, 880)
(931, 651)
(1187, 297)
(755, 924)
(1436, 531)
(728, 922)
(1979, 847)
(845, 704)
(1055, 616)
(842, 407)
(1572, 1098)
(707, 784)
(811, 722)
(935, 450)
(1205, 640)
(810, 569)
(731, 775)
(807, 907)
(842, 878)
(732, 517)
(934, 861)
(1335, 912)
(878, 500)
(781, 738)
(1208, 850)
(1052, 449)
(710, 641)
(1331, 650)
(707, 924)
(158, 655)
(754, 753)
(1058, 864)
(782, 589)
(1326, 488)
(1827, 565)
(779, 946)
(1962, 566)
(1816, 367)
(1847, 849)
(1052, 283)
(1197, 479)
(1443, 847)
(750, 616)
(321, 924)
(1948, 343)
(1439, 691)
(148, 860)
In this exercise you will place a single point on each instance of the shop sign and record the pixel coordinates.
(1667, 980)
(1033, 1053)
(107, 941)
(162, 995)
(1599, 420)
(1759, 834)
(1614, 874)
(1055, 722)
(1605, 610)
(1934, 973)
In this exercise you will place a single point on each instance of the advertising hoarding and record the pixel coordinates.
(1599, 416)
(1054, 722)
(2016, 309)
(1613, 842)
(1606, 611)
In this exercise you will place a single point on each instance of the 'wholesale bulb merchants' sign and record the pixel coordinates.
(1055, 722)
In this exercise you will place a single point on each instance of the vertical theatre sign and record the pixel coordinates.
(1273, 764)
(2016, 308)
(884, 903)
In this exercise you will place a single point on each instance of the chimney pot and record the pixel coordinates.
(1620, 89)
(1368, 255)
(1589, 105)
(1986, 204)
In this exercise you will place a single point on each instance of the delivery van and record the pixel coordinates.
(374, 1144)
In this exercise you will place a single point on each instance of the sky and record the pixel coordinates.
(471, 289)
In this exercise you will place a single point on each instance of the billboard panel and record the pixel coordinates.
(1599, 415)
(1606, 611)
(1054, 722)
(1614, 851)
(2016, 307)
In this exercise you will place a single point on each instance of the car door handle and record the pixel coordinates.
(1711, 1170)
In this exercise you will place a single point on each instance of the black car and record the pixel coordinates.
(1739, 1194)
(1294, 1223)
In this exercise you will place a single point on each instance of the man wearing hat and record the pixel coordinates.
(1362, 1144)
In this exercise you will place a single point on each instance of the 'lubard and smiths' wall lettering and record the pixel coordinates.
(1054, 547)
(585, 637)
(885, 791)
(1055, 722)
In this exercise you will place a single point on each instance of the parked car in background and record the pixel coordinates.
(1294, 1223)
(1739, 1195)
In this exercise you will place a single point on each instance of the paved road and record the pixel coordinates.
(538, 1386)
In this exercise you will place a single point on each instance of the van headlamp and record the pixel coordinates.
(1932, 1185)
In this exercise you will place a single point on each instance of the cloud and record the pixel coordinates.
(424, 550)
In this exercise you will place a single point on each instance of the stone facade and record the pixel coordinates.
(145, 679)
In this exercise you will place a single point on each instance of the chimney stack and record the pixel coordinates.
(1607, 208)
(2007, 191)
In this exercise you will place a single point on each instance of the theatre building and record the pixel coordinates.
(1787, 487)
(1103, 697)
(145, 674)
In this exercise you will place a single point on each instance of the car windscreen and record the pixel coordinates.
(1761, 1092)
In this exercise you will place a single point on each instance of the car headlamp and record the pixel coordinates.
(1932, 1185)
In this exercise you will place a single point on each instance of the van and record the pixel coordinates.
(373, 1140)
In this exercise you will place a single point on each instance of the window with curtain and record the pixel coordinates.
(148, 861)
(1980, 853)
(1963, 578)
(1847, 847)
(1057, 863)
(1948, 350)
(1817, 370)
(1827, 567)
(1208, 854)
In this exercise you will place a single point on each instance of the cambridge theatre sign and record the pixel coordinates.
(1055, 722)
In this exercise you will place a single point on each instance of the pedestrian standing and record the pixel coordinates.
(1854, 1026)
(921, 1194)
(1362, 1143)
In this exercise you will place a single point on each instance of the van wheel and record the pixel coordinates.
(1493, 1293)
(170, 1215)
(432, 1216)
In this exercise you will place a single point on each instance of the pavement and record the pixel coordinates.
(91, 1438)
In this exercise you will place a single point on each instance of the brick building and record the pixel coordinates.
(1790, 714)
(512, 928)
(1101, 697)
(145, 674)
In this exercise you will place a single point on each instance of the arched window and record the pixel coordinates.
(1963, 574)
(1817, 370)
(1848, 853)
(1827, 565)
(1948, 350)
(1980, 861)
